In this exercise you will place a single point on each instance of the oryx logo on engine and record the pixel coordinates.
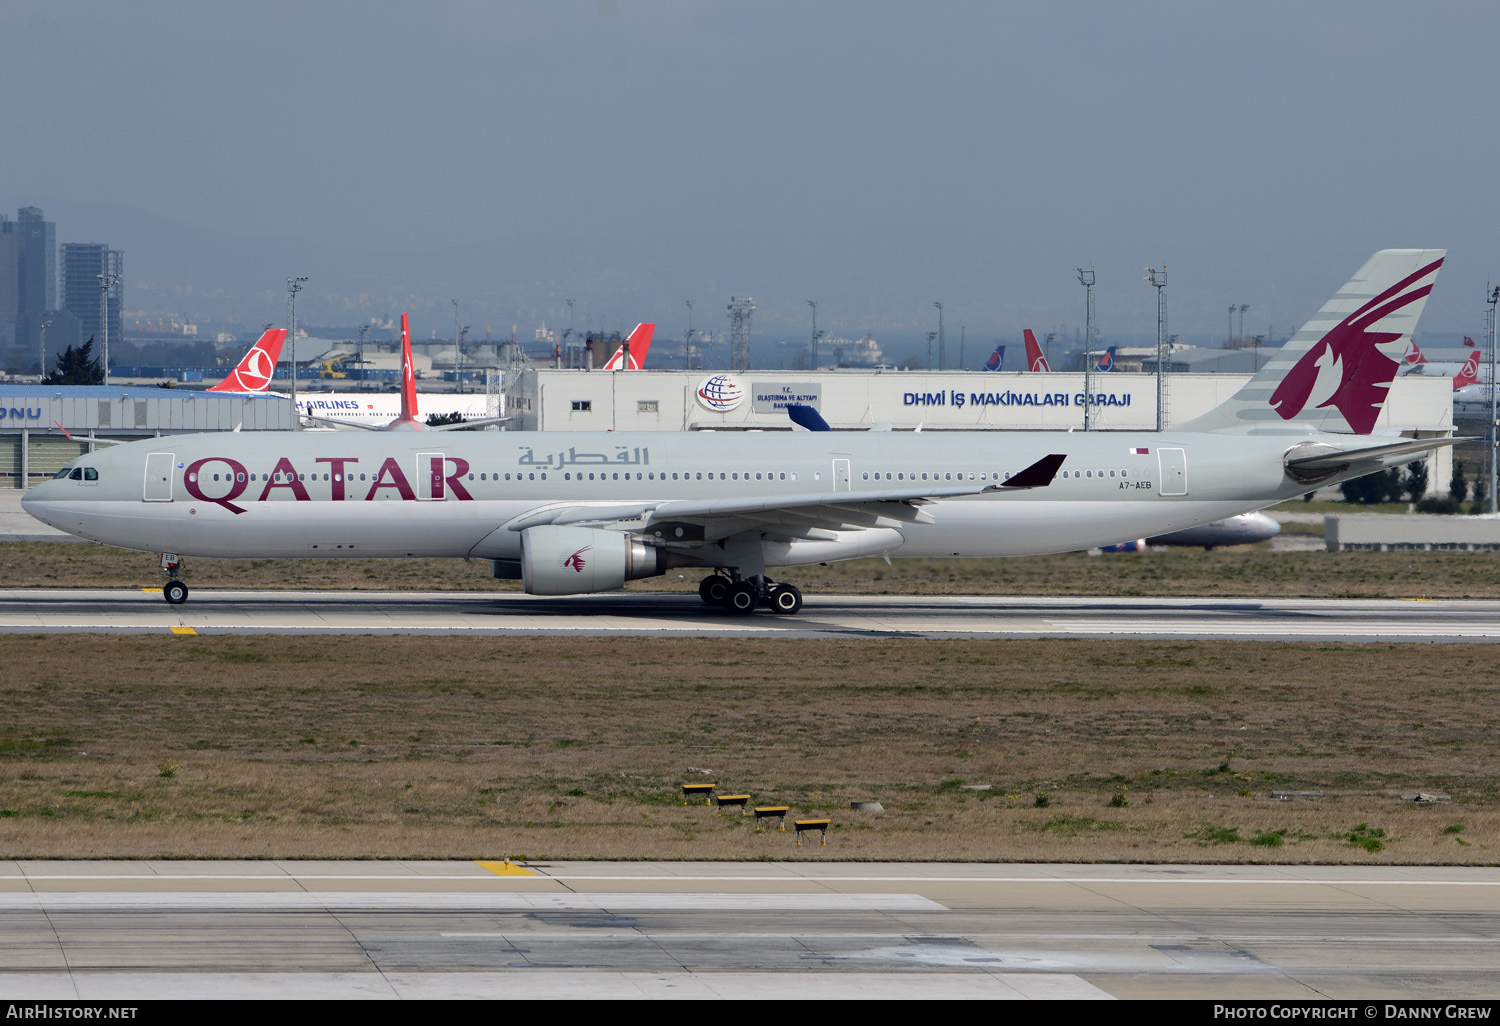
(575, 561)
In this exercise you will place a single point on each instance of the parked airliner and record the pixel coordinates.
(571, 513)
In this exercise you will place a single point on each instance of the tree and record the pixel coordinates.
(1415, 482)
(1458, 485)
(77, 367)
(445, 418)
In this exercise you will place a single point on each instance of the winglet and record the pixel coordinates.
(253, 372)
(805, 416)
(1038, 475)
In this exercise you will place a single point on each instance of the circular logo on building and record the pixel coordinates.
(722, 392)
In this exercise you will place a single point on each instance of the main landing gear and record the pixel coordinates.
(174, 591)
(741, 596)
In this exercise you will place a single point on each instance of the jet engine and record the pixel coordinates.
(575, 560)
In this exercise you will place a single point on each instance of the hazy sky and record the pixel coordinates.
(873, 156)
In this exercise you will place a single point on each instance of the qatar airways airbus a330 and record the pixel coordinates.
(570, 513)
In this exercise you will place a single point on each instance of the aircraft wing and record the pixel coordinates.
(799, 515)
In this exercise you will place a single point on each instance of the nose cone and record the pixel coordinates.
(38, 501)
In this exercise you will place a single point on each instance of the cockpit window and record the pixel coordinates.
(90, 474)
(61, 474)
(77, 474)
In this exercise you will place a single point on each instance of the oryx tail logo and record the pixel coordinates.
(1348, 357)
(253, 372)
(575, 562)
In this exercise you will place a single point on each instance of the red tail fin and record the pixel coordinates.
(1035, 361)
(1469, 373)
(253, 372)
(408, 376)
(639, 344)
(1413, 354)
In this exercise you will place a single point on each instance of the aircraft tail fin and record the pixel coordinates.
(253, 372)
(1468, 374)
(636, 346)
(1107, 361)
(1334, 374)
(1035, 361)
(408, 377)
(997, 360)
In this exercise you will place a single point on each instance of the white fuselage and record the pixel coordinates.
(377, 409)
(460, 494)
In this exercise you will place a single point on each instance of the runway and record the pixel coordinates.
(677, 615)
(125, 930)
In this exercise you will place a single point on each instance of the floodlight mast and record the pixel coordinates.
(813, 350)
(294, 286)
(1493, 295)
(106, 282)
(1086, 279)
(1158, 279)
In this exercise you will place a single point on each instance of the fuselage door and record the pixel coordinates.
(430, 483)
(158, 484)
(840, 475)
(1173, 471)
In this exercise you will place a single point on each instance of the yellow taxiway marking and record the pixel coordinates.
(154, 591)
(506, 869)
(183, 630)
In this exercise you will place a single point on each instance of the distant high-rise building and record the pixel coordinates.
(36, 245)
(10, 282)
(82, 264)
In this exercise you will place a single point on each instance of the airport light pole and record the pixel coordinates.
(294, 286)
(942, 340)
(363, 330)
(1491, 297)
(1158, 280)
(106, 282)
(42, 350)
(813, 350)
(1086, 279)
(687, 343)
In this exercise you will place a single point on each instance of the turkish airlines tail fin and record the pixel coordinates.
(253, 372)
(1468, 374)
(1413, 355)
(1035, 361)
(637, 345)
(1335, 373)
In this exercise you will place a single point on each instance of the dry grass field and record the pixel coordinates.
(378, 747)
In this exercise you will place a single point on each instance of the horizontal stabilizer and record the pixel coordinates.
(1385, 455)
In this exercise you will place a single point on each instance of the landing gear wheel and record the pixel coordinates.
(714, 589)
(175, 592)
(786, 599)
(742, 599)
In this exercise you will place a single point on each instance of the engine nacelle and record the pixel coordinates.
(575, 560)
